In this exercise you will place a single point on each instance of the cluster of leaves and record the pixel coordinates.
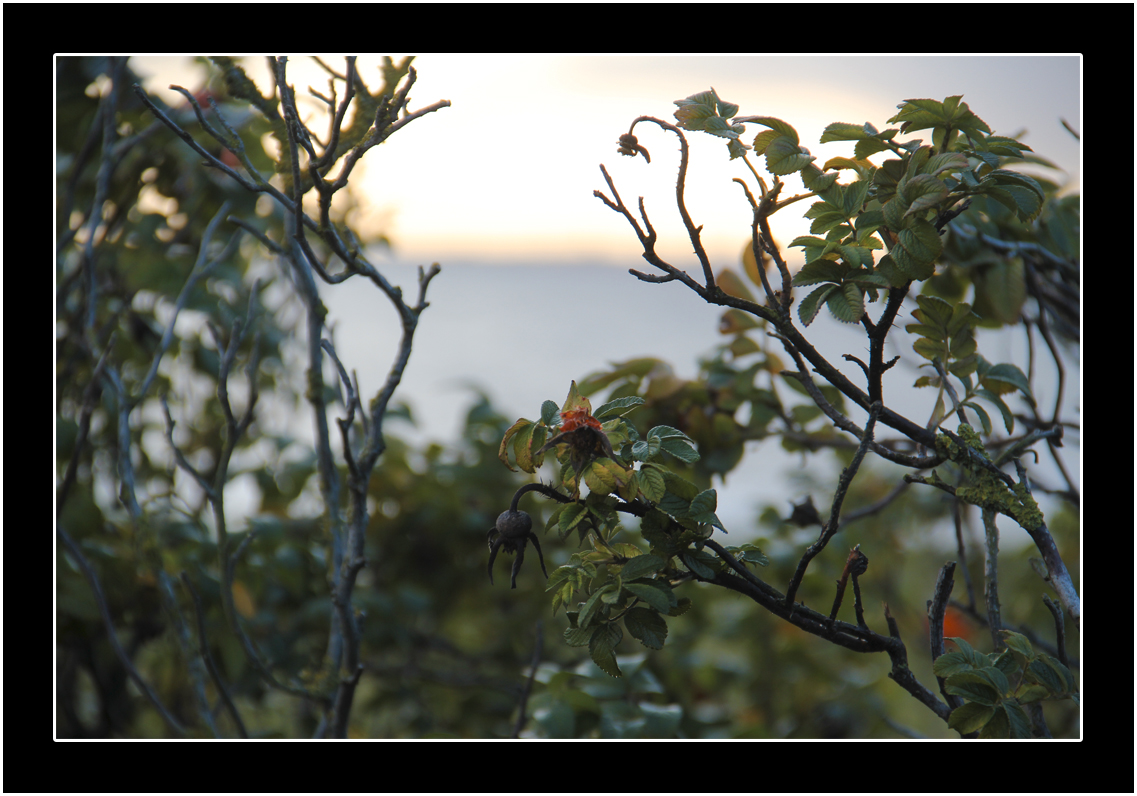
(900, 201)
(996, 687)
(903, 206)
(617, 580)
(947, 341)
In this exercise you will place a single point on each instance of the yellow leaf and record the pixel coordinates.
(750, 265)
(731, 283)
(243, 600)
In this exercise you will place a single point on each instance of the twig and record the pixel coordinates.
(100, 600)
(207, 656)
(538, 646)
(831, 527)
(1059, 629)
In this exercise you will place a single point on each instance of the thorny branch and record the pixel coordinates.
(390, 115)
(776, 314)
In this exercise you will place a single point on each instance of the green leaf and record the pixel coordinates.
(578, 636)
(676, 443)
(820, 271)
(1027, 193)
(974, 687)
(984, 418)
(549, 412)
(750, 553)
(651, 484)
(602, 648)
(571, 516)
(1005, 378)
(1000, 290)
(784, 156)
(923, 192)
(970, 717)
(654, 593)
(647, 626)
(699, 562)
(819, 183)
(840, 131)
(946, 161)
(773, 123)
(854, 197)
(814, 247)
(998, 403)
(764, 139)
(703, 509)
(618, 407)
(645, 449)
(640, 566)
(592, 606)
(705, 111)
(847, 304)
(807, 310)
(918, 248)
(716, 125)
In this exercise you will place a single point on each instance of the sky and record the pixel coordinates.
(506, 174)
(505, 177)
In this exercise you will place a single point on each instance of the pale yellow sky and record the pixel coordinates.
(506, 174)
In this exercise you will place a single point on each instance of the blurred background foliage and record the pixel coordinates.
(445, 654)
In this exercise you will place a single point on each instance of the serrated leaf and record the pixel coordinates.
(970, 717)
(682, 449)
(645, 449)
(784, 156)
(591, 606)
(946, 161)
(814, 180)
(716, 125)
(549, 412)
(578, 636)
(571, 517)
(601, 475)
(640, 566)
(647, 626)
(807, 310)
(814, 248)
(651, 484)
(773, 123)
(1005, 378)
(654, 593)
(764, 139)
(847, 304)
(618, 407)
(697, 562)
(1017, 642)
(820, 271)
(602, 648)
(751, 554)
(928, 349)
(681, 607)
(924, 192)
(933, 309)
(854, 197)
(841, 131)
